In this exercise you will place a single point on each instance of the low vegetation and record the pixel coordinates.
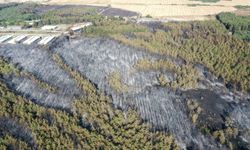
(6, 68)
(116, 83)
(194, 110)
(41, 84)
(108, 27)
(185, 75)
(226, 136)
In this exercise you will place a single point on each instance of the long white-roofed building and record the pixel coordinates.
(46, 40)
(17, 39)
(31, 40)
(5, 38)
(79, 27)
(49, 27)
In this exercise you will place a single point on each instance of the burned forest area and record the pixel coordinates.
(94, 77)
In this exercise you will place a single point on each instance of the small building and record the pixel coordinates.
(5, 38)
(49, 27)
(80, 27)
(32, 22)
(14, 28)
(76, 29)
(46, 40)
(17, 39)
(31, 40)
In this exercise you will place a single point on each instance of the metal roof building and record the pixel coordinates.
(31, 40)
(5, 38)
(46, 40)
(49, 27)
(79, 27)
(17, 39)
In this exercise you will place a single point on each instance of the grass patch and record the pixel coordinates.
(116, 83)
(108, 28)
(6, 68)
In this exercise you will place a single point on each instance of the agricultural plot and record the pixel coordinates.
(163, 8)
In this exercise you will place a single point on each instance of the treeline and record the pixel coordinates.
(17, 14)
(238, 25)
(20, 13)
(70, 15)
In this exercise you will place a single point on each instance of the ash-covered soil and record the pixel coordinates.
(99, 59)
(39, 63)
(15, 129)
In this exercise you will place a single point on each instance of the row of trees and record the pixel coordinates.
(17, 14)
(70, 15)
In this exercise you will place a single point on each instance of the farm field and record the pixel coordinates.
(165, 8)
